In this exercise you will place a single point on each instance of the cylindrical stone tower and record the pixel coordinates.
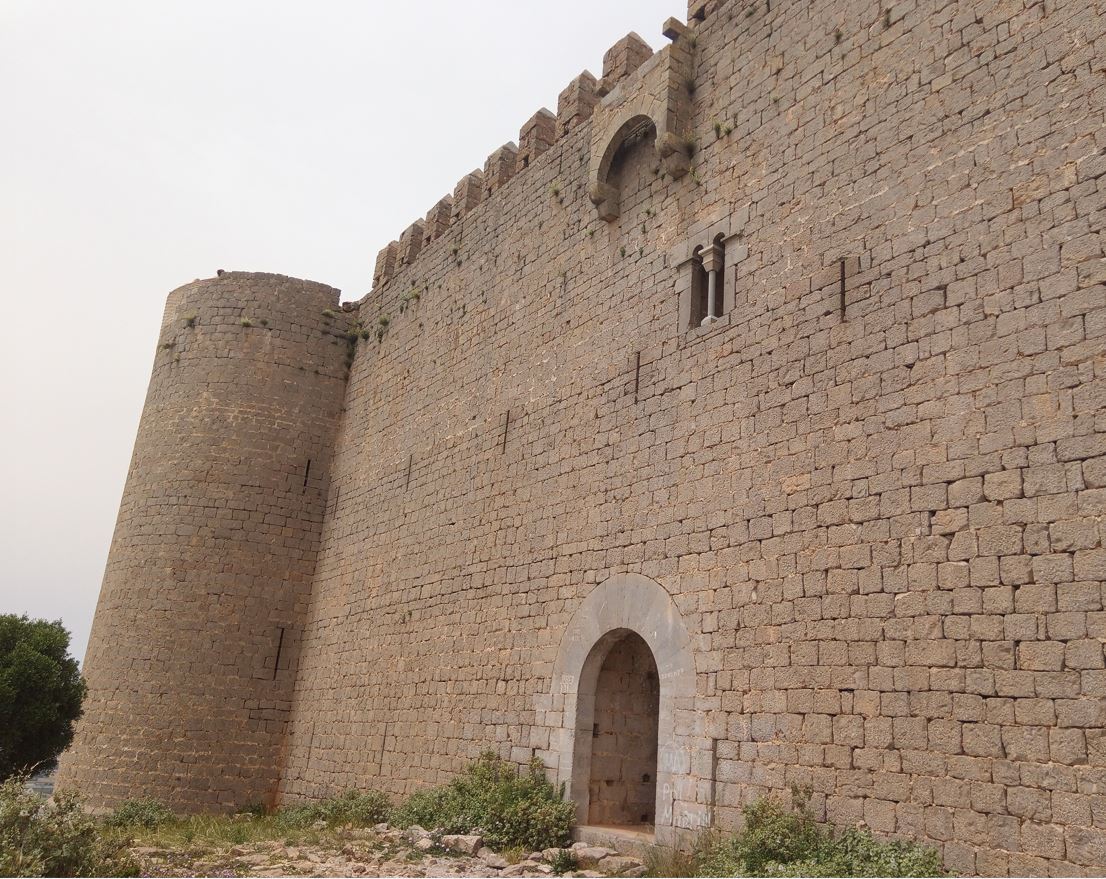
(191, 659)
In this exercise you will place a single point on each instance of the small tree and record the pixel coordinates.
(40, 693)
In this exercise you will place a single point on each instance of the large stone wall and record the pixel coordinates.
(858, 520)
(881, 523)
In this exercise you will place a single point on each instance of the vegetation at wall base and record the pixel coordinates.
(146, 813)
(350, 808)
(781, 841)
(56, 837)
(515, 812)
(492, 798)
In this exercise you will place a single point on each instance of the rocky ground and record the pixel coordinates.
(384, 851)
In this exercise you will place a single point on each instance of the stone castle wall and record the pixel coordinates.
(858, 520)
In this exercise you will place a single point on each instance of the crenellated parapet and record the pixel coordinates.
(410, 243)
(576, 103)
(438, 219)
(536, 137)
(500, 167)
(637, 86)
(468, 193)
(622, 59)
(386, 262)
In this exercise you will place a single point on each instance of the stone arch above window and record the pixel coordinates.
(656, 93)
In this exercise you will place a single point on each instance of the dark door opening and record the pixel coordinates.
(622, 790)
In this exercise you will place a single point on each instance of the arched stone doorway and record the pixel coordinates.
(623, 606)
(622, 787)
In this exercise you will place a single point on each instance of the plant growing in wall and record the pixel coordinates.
(189, 321)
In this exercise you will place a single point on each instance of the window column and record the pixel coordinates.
(712, 265)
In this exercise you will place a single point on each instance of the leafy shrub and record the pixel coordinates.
(564, 861)
(55, 837)
(148, 813)
(777, 841)
(40, 694)
(361, 809)
(492, 798)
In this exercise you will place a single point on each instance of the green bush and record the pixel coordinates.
(777, 841)
(148, 813)
(40, 694)
(564, 861)
(492, 798)
(55, 837)
(360, 809)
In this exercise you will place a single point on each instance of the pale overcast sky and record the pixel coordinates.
(144, 144)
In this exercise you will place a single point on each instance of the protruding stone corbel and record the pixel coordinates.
(673, 153)
(605, 198)
(673, 29)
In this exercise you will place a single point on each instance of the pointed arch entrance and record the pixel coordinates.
(625, 677)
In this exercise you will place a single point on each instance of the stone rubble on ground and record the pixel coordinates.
(383, 851)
